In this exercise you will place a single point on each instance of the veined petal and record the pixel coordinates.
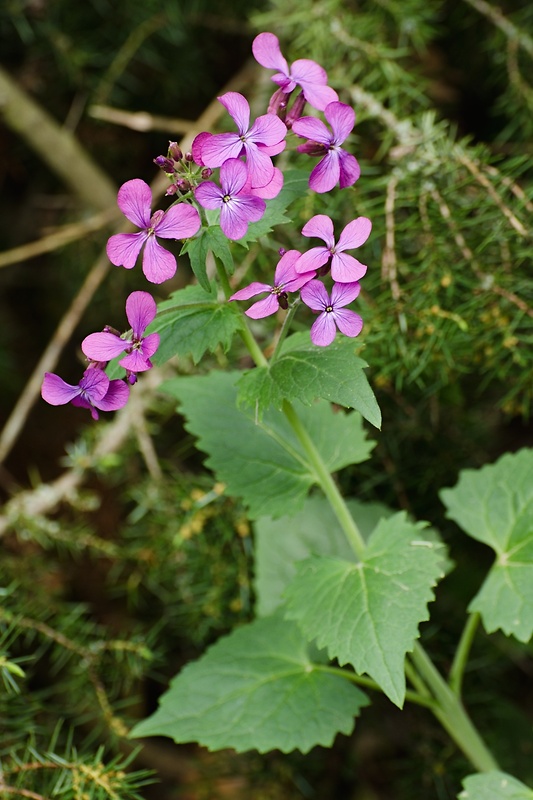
(115, 397)
(312, 260)
(82, 402)
(233, 176)
(285, 270)
(135, 201)
(266, 50)
(135, 362)
(354, 234)
(179, 222)
(263, 308)
(123, 248)
(350, 169)
(103, 346)
(268, 130)
(348, 322)
(346, 268)
(323, 329)
(209, 195)
(158, 264)
(272, 189)
(141, 309)
(237, 213)
(250, 291)
(341, 117)
(220, 147)
(94, 384)
(238, 108)
(149, 345)
(318, 96)
(315, 296)
(320, 226)
(312, 128)
(56, 391)
(260, 166)
(326, 174)
(309, 71)
(344, 293)
(197, 146)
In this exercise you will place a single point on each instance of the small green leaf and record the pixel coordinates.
(260, 689)
(304, 372)
(367, 614)
(494, 786)
(263, 462)
(495, 505)
(193, 321)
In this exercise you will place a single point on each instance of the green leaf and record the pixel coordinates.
(367, 614)
(281, 543)
(494, 786)
(257, 688)
(495, 505)
(304, 372)
(263, 462)
(193, 321)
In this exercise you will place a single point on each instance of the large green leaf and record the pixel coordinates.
(494, 786)
(257, 688)
(304, 372)
(281, 543)
(367, 614)
(495, 505)
(209, 239)
(193, 321)
(263, 462)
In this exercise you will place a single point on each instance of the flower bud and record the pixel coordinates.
(206, 173)
(295, 111)
(165, 164)
(174, 151)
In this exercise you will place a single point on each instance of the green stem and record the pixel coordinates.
(284, 330)
(368, 683)
(461, 654)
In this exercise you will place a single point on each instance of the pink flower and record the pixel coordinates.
(286, 279)
(332, 314)
(265, 138)
(344, 268)
(237, 205)
(178, 222)
(309, 75)
(140, 311)
(336, 166)
(94, 391)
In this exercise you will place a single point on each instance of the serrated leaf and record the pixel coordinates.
(494, 786)
(367, 614)
(263, 462)
(281, 543)
(193, 321)
(257, 688)
(495, 505)
(305, 371)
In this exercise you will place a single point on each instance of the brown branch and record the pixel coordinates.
(141, 120)
(500, 21)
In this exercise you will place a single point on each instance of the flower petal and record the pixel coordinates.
(251, 291)
(348, 322)
(350, 169)
(238, 108)
(315, 296)
(326, 174)
(323, 330)
(197, 146)
(123, 248)
(268, 130)
(322, 227)
(312, 128)
(141, 309)
(341, 117)
(233, 176)
(209, 195)
(135, 201)
(94, 384)
(56, 391)
(263, 308)
(238, 212)
(266, 50)
(271, 189)
(312, 260)
(149, 345)
(259, 165)
(115, 397)
(354, 234)
(179, 222)
(158, 264)
(346, 269)
(344, 293)
(135, 362)
(103, 346)
(285, 270)
(221, 146)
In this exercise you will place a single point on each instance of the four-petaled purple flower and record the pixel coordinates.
(332, 314)
(344, 268)
(307, 74)
(140, 310)
(94, 391)
(265, 138)
(237, 205)
(336, 166)
(286, 279)
(178, 222)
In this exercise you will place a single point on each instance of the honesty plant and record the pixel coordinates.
(342, 586)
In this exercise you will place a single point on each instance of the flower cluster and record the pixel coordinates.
(247, 179)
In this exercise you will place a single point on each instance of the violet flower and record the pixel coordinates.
(307, 74)
(344, 268)
(265, 138)
(237, 205)
(178, 222)
(286, 279)
(333, 315)
(94, 391)
(140, 311)
(336, 166)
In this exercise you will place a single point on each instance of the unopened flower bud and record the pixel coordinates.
(206, 173)
(188, 157)
(165, 164)
(174, 151)
(295, 111)
(172, 189)
(183, 185)
(278, 103)
(282, 251)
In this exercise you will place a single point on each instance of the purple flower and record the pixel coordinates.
(140, 311)
(237, 205)
(344, 268)
(333, 315)
(286, 279)
(178, 222)
(309, 75)
(336, 166)
(265, 138)
(94, 391)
